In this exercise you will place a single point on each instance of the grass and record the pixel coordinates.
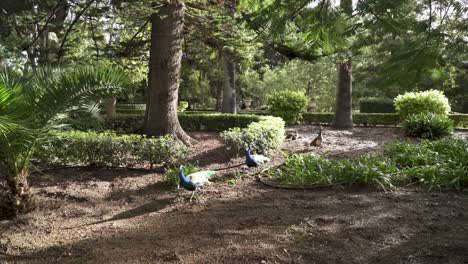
(432, 164)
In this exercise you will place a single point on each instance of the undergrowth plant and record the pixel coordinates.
(432, 164)
(427, 125)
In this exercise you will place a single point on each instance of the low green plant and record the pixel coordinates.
(172, 174)
(108, 149)
(289, 105)
(434, 164)
(183, 105)
(307, 169)
(263, 136)
(427, 125)
(431, 101)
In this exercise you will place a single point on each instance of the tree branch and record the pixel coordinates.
(60, 51)
(52, 13)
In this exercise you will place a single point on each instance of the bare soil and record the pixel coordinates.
(128, 216)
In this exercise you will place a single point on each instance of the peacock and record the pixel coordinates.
(317, 142)
(192, 181)
(254, 160)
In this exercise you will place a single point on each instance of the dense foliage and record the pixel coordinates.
(263, 136)
(433, 164)
(432, 101)
(427, 125)
(288, 105)
(376, 105)
(108, 149)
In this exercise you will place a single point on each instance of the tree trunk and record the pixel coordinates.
(219, 95)
(229, 66)
(109, 105)
(344, 113)
(20, 199)
(229, 85)
(164, 72)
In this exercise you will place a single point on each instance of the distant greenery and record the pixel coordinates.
(288, 105)
(428, 125)
(432, 101)
(376, 105)
(433, 164)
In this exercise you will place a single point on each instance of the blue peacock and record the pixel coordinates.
(193, 181)
(253, 160)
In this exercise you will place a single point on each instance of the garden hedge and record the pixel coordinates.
(108, 149)
(376, 105)
(189, 121)
(373, 119)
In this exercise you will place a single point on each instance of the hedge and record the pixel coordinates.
(130, 109)
(192, 121)
(376, 105)
(131, 124)
(373, 119)
(108, 149)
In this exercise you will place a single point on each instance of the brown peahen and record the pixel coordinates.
(317, 142)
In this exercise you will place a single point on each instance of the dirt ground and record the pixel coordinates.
(128, 216)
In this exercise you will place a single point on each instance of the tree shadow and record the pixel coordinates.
(81, 174)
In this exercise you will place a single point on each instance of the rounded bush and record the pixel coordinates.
(431, 101)
(289, 105)
(428, 125)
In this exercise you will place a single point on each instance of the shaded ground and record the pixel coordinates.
(122, 216)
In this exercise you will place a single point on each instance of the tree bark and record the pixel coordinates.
(344, 113)
(164, 72)
(20, 199)
(229, 66)
(229, 85)
(109, 105)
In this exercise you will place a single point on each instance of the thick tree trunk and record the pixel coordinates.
(229, 85)
(219, 96)
(344, 112)
(109, 105)
(229, 66)
(164, 72)
(20, 199)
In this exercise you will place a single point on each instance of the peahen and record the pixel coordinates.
(192, 181)
(254, 160)
(317, 142)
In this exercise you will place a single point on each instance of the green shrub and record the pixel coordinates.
(307, 170)
(432, 101)
(130, 109)
(263, 136)
(434, 164)
(125, 124)
(172, 174)
(183, 105)
(215, 121)
(289, 105)
(427, 125)
(358, 118)
(460, 120)
(108, 150)
(376, 105)
(318, 118)
(373, 119)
